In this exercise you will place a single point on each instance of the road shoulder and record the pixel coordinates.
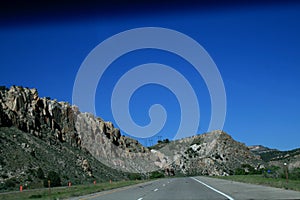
(239, 190)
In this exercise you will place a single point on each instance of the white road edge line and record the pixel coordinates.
(225, 195)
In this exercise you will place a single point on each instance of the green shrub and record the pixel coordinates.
(135, 176)
(156, 174)
(239, 171)
(166, 141)
(295, 174)
(29, 178)
(273, 172)
(250, 169)
(3, 87)
(10, 183)
(40, 173)
(54, 179)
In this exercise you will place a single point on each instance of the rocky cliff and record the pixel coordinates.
(56, 122)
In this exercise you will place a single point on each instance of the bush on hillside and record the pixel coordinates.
(54, 179)
(135, 176)
(156, 174)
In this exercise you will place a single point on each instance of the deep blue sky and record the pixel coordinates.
(256, 49)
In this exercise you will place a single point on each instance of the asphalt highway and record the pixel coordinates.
(188, 188)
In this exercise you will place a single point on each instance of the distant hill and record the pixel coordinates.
(277, 157)
(268, 154)
(259, 149)
(213, 153)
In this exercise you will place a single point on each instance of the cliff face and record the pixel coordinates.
(106, 144)
(56, 122)
(44, 118)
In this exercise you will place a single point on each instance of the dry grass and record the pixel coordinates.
(260, 180)
(65, 192)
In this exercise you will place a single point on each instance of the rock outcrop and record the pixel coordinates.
(213, 153)
(45, 118)
(56, 122)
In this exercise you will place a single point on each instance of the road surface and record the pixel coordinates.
(192, 188)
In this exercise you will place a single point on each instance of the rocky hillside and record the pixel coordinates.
(213, 153)
(59, 122)
(27, 160)
(44, 133)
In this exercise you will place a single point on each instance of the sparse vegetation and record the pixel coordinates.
(16, 156)
(278, 155)
(198, 141)
(294, 174)
(273, 176)
(247, 169)
(160, 144)
(3, 87)
(261, 180)
(165, 141)
(66, 192)
(272, 172)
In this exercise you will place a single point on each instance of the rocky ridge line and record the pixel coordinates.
(214, 153)
(56, 122)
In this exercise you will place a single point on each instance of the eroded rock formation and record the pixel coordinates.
(60, 122)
